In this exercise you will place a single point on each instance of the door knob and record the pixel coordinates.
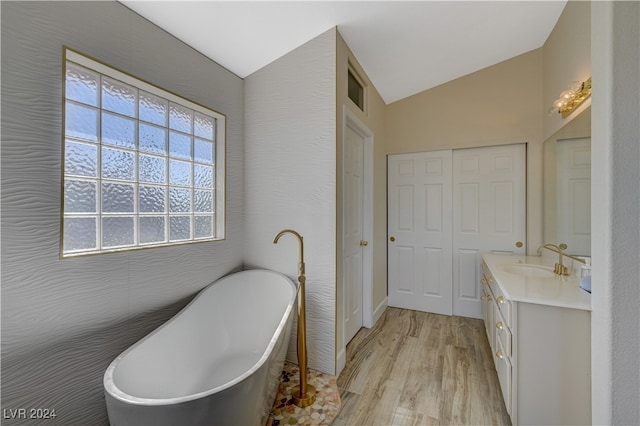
(392, 239)
(519, 244)
(363, 243)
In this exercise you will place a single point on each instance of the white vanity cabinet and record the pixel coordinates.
(539, 330)
(497, 308)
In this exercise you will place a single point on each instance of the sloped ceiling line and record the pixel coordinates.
(405, 47)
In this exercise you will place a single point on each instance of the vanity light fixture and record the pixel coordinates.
(569, 100)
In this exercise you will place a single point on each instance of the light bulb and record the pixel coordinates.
(559, 103)
(575, 86)
(568, 94)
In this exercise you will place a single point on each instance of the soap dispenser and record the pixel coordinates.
(585, 275)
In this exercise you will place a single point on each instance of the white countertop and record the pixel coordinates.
(557, 291)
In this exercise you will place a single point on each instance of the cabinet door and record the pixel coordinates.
(552, 367)
(503, 368)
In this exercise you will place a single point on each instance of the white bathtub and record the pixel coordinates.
(218, 361)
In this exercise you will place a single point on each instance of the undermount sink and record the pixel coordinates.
(528, 270)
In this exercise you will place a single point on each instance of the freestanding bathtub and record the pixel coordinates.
(217, 362)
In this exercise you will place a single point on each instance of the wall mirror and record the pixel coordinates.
(567, 186)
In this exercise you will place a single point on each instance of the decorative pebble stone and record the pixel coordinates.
(322, 412)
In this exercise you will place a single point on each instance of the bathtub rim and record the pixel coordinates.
(115, 392)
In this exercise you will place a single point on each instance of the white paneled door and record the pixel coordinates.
(574, 194)
(445, 209)
(419, 224)
(354, 243)
(489, 215)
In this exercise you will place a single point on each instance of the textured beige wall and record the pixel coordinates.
(566, 58)
(500, 104)
(496, 105)
(374, 119)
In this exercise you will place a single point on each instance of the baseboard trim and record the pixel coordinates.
(341, 360)
(379, 311)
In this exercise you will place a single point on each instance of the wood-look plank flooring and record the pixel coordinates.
(416, 368)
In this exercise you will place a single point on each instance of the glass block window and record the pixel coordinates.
(142, 167)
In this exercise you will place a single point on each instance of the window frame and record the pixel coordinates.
(218, 214)
(351, 71)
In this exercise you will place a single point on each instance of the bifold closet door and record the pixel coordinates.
(445, 209)
(489, 215)
(419, 225)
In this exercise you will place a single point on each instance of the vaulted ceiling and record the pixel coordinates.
(405, 47)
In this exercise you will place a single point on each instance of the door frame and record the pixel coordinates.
(350, 119)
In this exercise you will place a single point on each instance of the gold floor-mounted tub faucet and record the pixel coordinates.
(560, 268)
(303, 395)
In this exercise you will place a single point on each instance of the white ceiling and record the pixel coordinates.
(405, 47)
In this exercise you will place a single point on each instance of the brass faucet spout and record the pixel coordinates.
(300, 241)
(560, 268)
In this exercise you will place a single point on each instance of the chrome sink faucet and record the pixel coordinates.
(560, 268)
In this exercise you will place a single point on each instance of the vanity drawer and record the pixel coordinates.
(490, 281)
(488, 307)
(502, 332)
(484, 270)
(503, 304)
(486, 288)
(503, 368)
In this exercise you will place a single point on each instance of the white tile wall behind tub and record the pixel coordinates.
(64, 321)
(290, 178)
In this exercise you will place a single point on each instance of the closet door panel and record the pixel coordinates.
(419, 226)
(445, 209)
(489, 215)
